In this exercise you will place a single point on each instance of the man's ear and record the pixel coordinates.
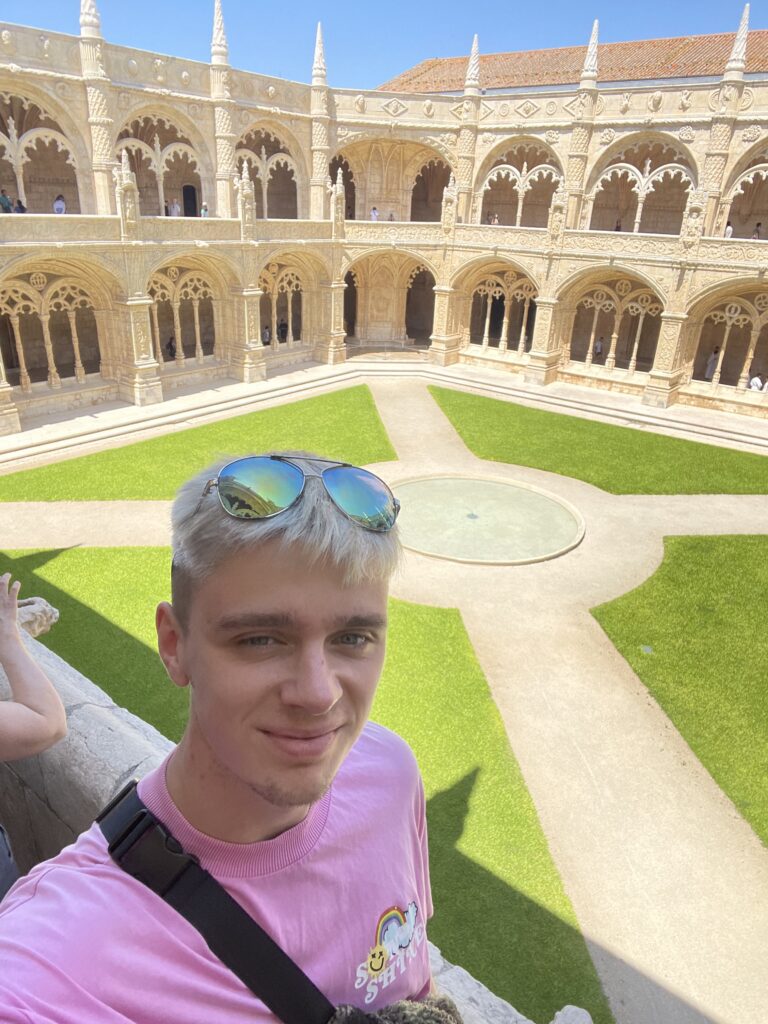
(170, 643)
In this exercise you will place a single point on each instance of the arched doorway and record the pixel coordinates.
(189, 194)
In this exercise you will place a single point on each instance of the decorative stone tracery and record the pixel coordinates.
(643, 188)
(166, 165)
(183, 310)
(37, 160)
(728, 340)
(615, 324)
(48, 331)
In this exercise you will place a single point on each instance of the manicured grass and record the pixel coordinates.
(501, 911)
(620, 460)
(695, 633)
(343, 425)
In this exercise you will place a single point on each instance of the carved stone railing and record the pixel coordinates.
(20, 228)
(397, 232)
(622, 244)
(202, 229)
(493, 236)
(279, 230)
(49, 799)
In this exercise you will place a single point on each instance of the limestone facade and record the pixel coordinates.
(567, 232)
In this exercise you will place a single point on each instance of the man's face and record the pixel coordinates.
(283, 662)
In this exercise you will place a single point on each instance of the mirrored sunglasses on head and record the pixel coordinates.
(262, 486)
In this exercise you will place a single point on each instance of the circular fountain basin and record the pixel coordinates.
(482, 520)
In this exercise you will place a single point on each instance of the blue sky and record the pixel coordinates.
(366, 44)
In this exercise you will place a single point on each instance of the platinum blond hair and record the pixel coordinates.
(204, 535)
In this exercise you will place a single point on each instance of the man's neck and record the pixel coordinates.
(220, 806)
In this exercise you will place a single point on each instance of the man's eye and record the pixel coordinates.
(256, 641)
(354, 639)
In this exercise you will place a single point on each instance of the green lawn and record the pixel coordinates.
(620, 460)
(344, 425)
(501, 909)
(696, 634)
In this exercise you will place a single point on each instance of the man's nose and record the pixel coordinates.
(315, 686)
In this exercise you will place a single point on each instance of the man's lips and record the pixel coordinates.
(301, 744)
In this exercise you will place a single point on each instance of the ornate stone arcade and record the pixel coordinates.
(574, 233)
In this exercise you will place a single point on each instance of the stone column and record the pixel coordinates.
(137, 379)
(331, 349)
(524, 324)
(9, 414)
(504, 339)
(79, 369)
(108, 334)
(274, 340)
(24, 381)
(610, 359)
(544, 354)
(721, 354)
(667, 375)
(198, 345)
(487, 323)
(180, 357)
(54, 380)
(248, 359)
(156, 336)
(744, 375)
(593, 332)
(444, 343)
(289, 318)
(219, 346)
(636, 343)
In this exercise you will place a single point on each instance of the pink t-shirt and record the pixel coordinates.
(345, 893)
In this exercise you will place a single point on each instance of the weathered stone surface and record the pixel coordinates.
(572, 1015)
(36, 616)
(477, 1004)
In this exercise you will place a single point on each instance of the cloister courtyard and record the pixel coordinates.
(591, 727)
(526, 289)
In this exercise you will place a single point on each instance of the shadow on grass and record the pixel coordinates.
(509, 942)
(82, 636)
(480, 923)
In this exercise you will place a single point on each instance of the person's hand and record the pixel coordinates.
(9, 604)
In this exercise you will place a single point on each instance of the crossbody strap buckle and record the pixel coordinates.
(140, 844)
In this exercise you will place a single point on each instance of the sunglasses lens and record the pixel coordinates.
(362, 496)
(255, 488)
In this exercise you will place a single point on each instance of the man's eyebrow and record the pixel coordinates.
(282, 620)
(361, 622)
(247, 620)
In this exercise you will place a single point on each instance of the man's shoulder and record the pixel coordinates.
(381, 754)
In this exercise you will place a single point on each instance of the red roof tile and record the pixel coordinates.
(683, 57)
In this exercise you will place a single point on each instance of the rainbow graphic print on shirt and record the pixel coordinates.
(396, 939)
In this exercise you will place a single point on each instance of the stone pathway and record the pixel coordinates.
(669, 883)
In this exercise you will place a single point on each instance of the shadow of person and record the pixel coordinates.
(520, 950)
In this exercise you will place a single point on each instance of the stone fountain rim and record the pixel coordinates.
(490, 478)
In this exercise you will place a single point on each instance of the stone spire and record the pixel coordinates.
(219, 48)
(318, 64)
(90, 22)
(472, 81)
(738, 59)
(589, 71)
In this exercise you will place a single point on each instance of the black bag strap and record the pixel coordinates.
(143, 847)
